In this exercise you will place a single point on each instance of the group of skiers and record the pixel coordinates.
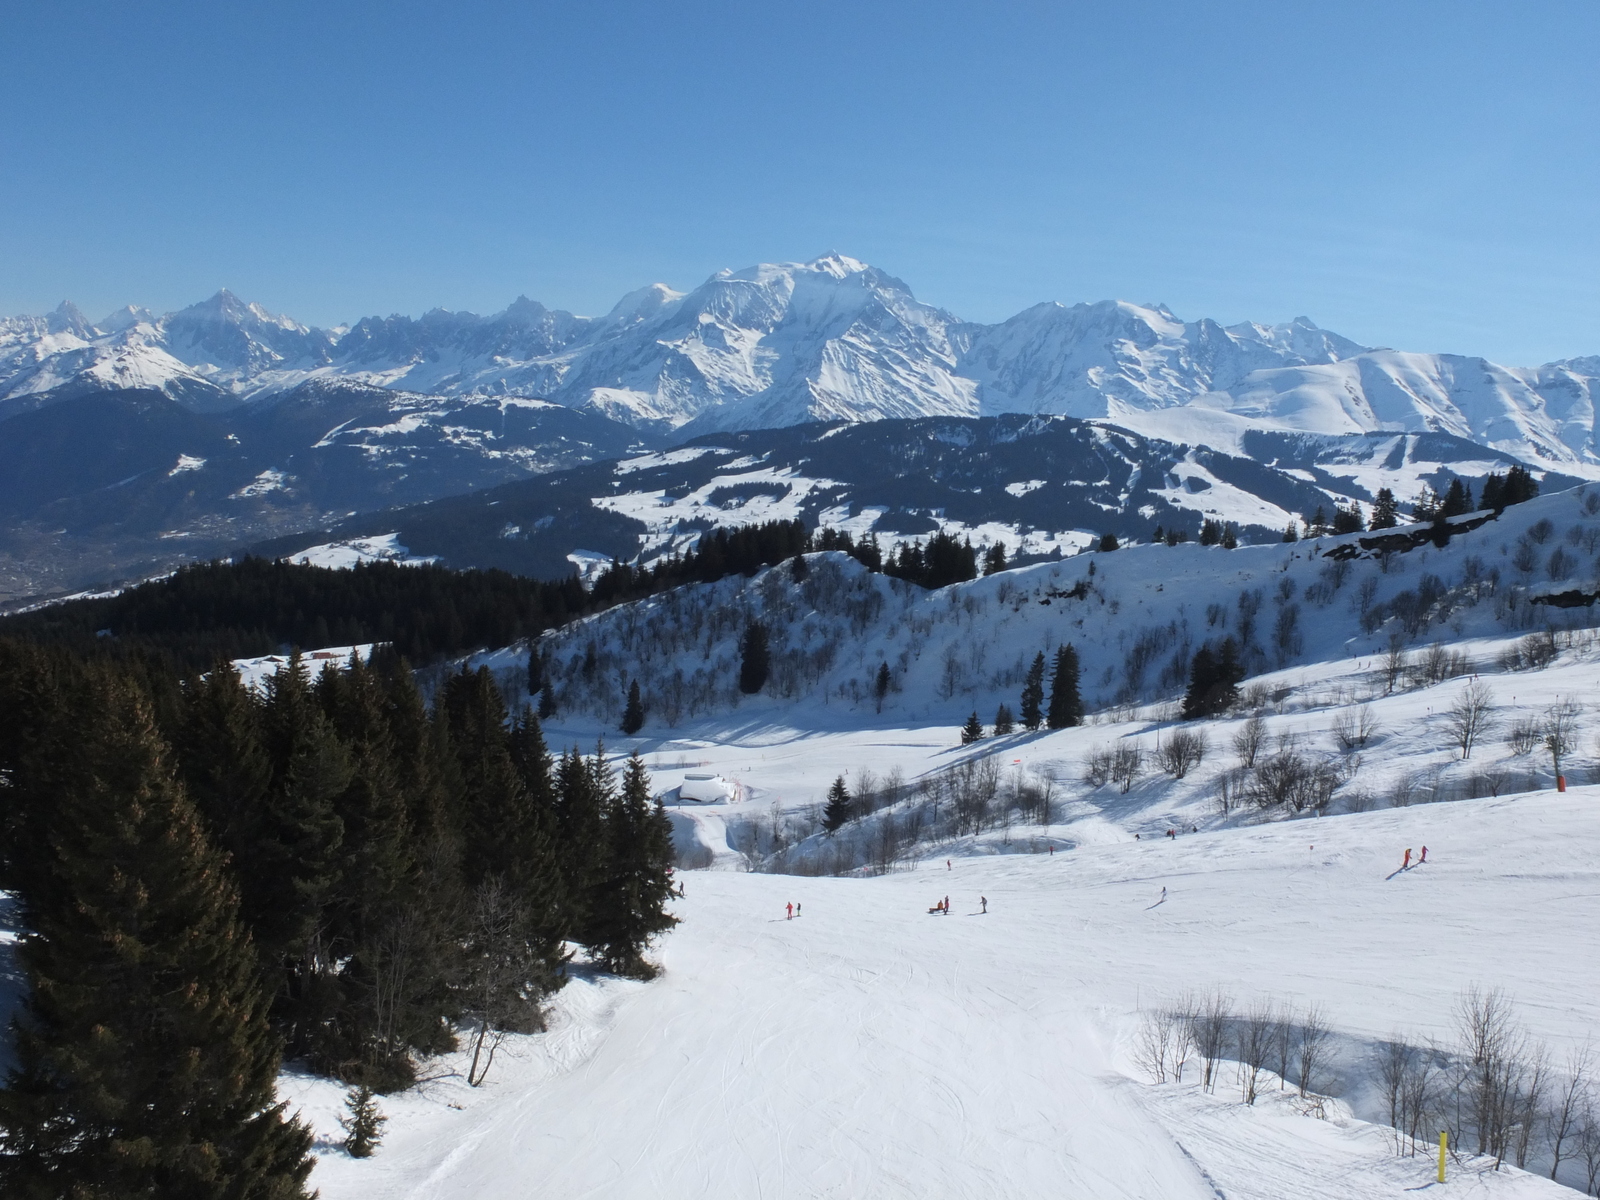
(943, 906)
(1406, 864)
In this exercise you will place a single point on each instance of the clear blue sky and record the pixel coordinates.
(1421, 175)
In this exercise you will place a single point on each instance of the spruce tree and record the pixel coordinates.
(994, 559)
(754, 660)
(631, 904)
(972, 731)
(1033, 695)
(535, 669)
(547, 701)
(837, 811)
(1291, 532)
(1457, 500)
(144, 1064)
(1214, 677)
(880, 685)
(1066, 706)
(1004, 721)
(633, 713)
(1385, 510)
(363, 1128)
(583, 795)
(289, 875)
(799, 568)
(1108, 542)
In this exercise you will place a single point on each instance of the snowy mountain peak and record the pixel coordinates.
(835, 338)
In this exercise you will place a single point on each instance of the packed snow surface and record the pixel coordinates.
(869, 1048)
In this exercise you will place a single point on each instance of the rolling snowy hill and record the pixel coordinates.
(831, 339)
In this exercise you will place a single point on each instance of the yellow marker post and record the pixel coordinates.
(1444, 1139)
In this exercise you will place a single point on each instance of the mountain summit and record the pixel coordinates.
(779, 344)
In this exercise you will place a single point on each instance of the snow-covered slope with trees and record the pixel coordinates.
(834, 338)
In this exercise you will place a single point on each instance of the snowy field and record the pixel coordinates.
(871, 1049)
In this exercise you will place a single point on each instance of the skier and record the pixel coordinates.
(1052, 849)
(789, 909)
(984, 900)
(797, 910)
(947, 865)
(1163, 895)
(1424, 857)
(947, 906)
(1406, 865)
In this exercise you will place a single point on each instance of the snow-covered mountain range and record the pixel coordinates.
(782, 344)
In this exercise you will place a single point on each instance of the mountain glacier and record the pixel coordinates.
(781, 344)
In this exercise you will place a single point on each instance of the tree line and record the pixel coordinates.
(211, 876)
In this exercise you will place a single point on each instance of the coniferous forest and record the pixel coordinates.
(213, 878)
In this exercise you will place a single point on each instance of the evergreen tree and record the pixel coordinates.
(535, 670)
(1066, 706)
(288, 877)
(1033, 695)
(1385, 511)
(144, 1064)
(1348, 520)
(582, 798)
(547, 701)
(1230, 536)
(994, 559)
(1492, 493)
(363, 1128)
(972, 731)
(1213, 681)
(633, 714)
(1519, 487)
(1427, 505)
(1210, 532)
(799, 568)
(880, 685)
(1004, 721)
(1317, 523)
(1291, 532)
(837, 811)
(1108, 541)
(630, 906)
(754, 659)
(221, 758)
(1457, 500)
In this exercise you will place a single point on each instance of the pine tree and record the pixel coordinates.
(1213, 681)
(1457, 500)
(633, 714)
(583, 795)
(1004, 721)
(1033, 695)
(547, 701)
(289, 875)
(144, 1064)
(1108, 542)
(1385, 511)
(1230, 537)
(837, 811)
(1348, 520)
(1291, 532)
(363, 1128)
(799, 568)
(994, 559)
(972, 731)
(880, 685)
(630, 906)
(1066, 706)
(754, 661)
(535, 669)
(1519, 487)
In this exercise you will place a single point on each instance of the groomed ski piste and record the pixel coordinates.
(870, 1047)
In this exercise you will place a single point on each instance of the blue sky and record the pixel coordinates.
(1422, 175)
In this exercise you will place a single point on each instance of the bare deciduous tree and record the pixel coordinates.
(1569, 1104)
(1355, 726)
(1468, 715)
(1211, 1018)
(1312, 1049)
(1253, 1037)
(1247, 742)
(1126, 765)
(1183, 750)
(1561, 730)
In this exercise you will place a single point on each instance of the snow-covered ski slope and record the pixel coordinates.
(870, 1049)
